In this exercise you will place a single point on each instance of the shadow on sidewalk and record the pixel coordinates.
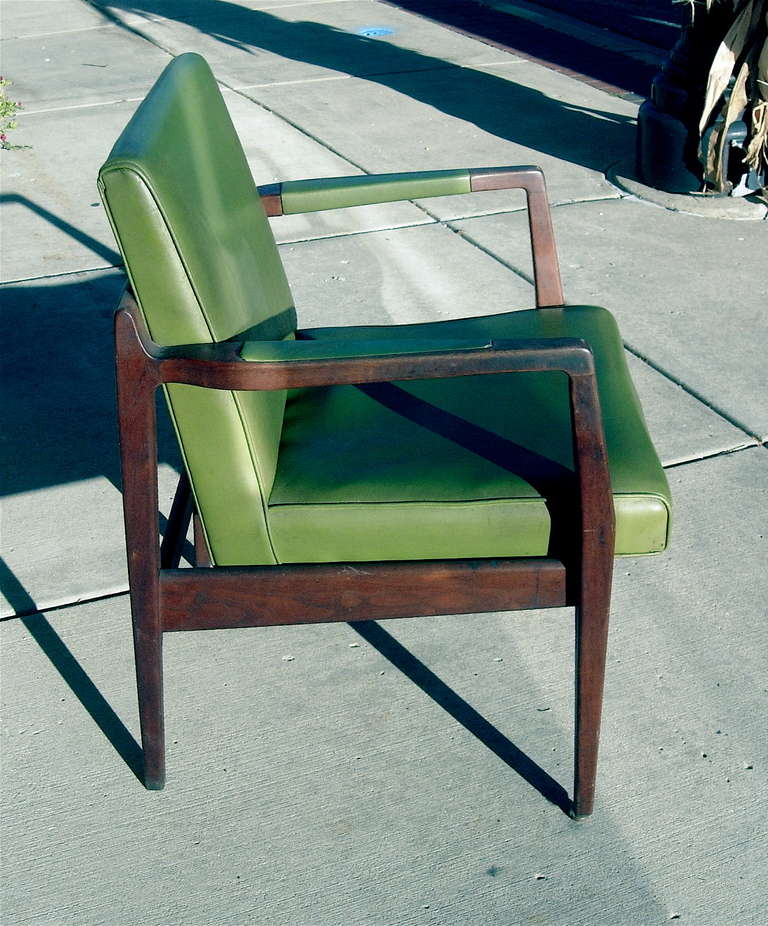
(58, 391)
(115, 731)
(559, 50)
(77, 234)
(65, 663)
(592, 138)
(453, 704)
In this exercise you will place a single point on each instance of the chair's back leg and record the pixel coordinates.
(138, 451)
(175, 533)
(202, 556)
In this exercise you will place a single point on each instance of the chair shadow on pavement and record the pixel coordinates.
(58, 394)
(452, 703)
(78, 680)
(123, 742)
(77, 234)
(496, 104)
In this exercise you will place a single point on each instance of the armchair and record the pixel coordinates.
(521, 461)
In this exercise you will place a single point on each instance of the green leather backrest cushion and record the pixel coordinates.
(204, 267)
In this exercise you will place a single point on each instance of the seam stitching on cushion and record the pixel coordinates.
(131, 168)
(432, 503)
(134, 288)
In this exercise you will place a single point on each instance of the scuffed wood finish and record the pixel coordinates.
(202, 556)
(546, 267)
(271, 595)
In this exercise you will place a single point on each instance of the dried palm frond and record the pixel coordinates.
(736, 90)
(757, 151)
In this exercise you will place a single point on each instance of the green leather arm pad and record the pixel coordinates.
(271, 351)
(339, 192)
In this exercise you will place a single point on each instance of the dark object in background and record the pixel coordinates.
(672, 154)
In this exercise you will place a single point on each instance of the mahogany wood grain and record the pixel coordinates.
(136, 384)
(596, 554)
(314, 593)
(271, 198)
(219, 365)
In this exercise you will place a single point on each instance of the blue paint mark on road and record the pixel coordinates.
(373, 32)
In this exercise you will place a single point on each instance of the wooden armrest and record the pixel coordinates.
(258, 365)
(300, 196)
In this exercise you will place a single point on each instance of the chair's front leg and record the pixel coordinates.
(591, 643)
(138, 450)
(595, 565)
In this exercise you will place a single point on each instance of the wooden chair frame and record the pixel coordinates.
(166, 598)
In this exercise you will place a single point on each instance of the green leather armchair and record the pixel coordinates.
(421, 451)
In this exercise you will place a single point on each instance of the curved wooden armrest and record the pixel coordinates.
(300, 196)
(246, 366)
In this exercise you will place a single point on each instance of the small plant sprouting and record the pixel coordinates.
(8, 109)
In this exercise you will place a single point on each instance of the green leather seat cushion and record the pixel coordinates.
(463, 467)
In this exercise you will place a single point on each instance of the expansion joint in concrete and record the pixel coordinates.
(694, 393)
(729, 451)
(500, 260)
(66, 603)
(110, 268)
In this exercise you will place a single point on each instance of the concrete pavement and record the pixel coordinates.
(375, 778)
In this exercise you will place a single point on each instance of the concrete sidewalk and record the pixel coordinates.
(375, 776)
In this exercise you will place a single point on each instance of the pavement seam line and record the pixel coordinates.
(62, 605)
(294, 125)
(45, 35)
(356, 234)
(116, 20)
(64, 109)
(714, 455)
(447, 65)
(64, 273)
(694, 393)
(298, 128)
(632, 350)
(513, 269)
(327, 147)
